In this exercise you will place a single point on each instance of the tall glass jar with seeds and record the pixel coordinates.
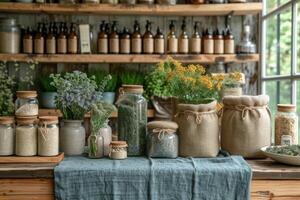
(132, 118)
(286, 125)
(26, 104)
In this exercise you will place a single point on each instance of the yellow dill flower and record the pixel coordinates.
(206, 81)
(200, 69)
(191, 68)
(161, 66)
(237, 76)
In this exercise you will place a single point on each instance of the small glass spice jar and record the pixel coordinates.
(118, 150)
(26, 103)
(162, 140)
(26, 136)
(7, 136)
(48, 134)
(286, 125)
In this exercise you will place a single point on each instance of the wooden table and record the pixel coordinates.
(271, 181)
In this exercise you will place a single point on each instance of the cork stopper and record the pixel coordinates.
(133, 89)
(286, 108)
(6, 120)
(26, 120)
(48, 120)
(118, 144)
(27, 94)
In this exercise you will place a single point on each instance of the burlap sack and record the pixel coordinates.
(246, 125)
(198, 130)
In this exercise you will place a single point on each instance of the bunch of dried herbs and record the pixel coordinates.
(293, 150)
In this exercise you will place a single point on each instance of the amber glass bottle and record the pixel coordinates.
(72, 40)
(208, 43)
(172, 42)
(148, 41)
(136, 39)
(102, 39)
(195, 41)
(62, 41)
(183, 42)
(114, 39)
(39, 40)
(159, 42)
(218, 42)
(50, 41)
(125, 42)
(229, 43)
(28, 41)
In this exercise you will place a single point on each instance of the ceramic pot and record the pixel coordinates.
(109, 97)
(106, 133)
(96, 146)
(72, 137)
(48, 99)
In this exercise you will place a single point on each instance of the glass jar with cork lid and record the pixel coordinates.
(118, 150)
(26, 103)
(286, 125)
(10, 36)
(7, 136)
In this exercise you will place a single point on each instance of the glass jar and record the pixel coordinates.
(286, 125)
(232, 90)
(96, 146)
(118, 150)
(10, 36)
(48, 134)
(132, 118)
(26, 103)
(162, 140)
(26, 136)
(7, 136)
(106, 133)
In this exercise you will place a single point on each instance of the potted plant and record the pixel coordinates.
(7, 85)
(101, 134)
(232, 84)
(132, 78)
(48, 92)
(76, 93)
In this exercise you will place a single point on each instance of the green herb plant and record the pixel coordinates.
(111, 85)
(7, 85)
(132, 78)
(45, 83)
(25, 74)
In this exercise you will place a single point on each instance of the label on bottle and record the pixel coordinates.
(183, 45)
(136, 45)
(286, 140)
(27, 46)
(148, 45)
(113, 45)
(172, 45)
(219, 46)
(39, 46)
(229, 46)
(72, 45)
(125, 46)
(208, 46)
(102, 45)
(50, 46)
(85, 41)
(159, 46)
(61, 45)
(195, 45)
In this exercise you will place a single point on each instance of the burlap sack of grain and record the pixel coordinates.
(246, 125)
(198, 130)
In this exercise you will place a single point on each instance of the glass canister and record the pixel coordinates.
(96, 146)
(118, 150)
(7, 136)
(232, 90)
(26, 103)
(162, 139)
(132, 118)
(48, 136)
(286, 125)
(26, 136)
(10, 36)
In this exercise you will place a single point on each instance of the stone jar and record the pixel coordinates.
(72, 137)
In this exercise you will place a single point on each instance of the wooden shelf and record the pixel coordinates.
(54, 112)
(141, 58)
(121, 9)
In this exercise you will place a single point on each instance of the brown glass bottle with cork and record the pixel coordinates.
(103, 39)
(172, 41)
(218, 42)
(148, 40)
(62, 40)
(114, 39)
(50, 41)
(136, 39)
(28, 41)
(159, 42)
(125, 42)
(195, 41)
(208, 42)
(72, 40)
(183, 41)
(229, 43)
(39, 40)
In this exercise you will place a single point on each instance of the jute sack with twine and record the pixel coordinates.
(198, 130)
(246, 125)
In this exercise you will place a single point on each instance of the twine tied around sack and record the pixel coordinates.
(198, 115)
(162, 131)
(245, 109)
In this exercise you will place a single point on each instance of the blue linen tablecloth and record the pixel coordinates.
(140, 178)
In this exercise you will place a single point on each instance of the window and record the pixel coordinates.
(280, 62)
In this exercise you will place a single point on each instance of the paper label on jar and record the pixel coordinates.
(136, 45)
(286, 140)
(229, 46)
(62, 45)
(148, 45)
(159, 46)
(39, 46)
(114, 45)
(27, 46)
(102, 45)
(208, 46)
(50, 46)
(172, 45)
(219, 46)
(195, 45)
(183, 46)
(72, 45)
(125, 46)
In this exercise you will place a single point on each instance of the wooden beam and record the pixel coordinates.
(121, 9)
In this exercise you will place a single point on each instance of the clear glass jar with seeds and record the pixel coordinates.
(26, 103)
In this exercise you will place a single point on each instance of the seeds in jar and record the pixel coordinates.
(48, 134)
(26, 139)
(28, 110)
(286, 126)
